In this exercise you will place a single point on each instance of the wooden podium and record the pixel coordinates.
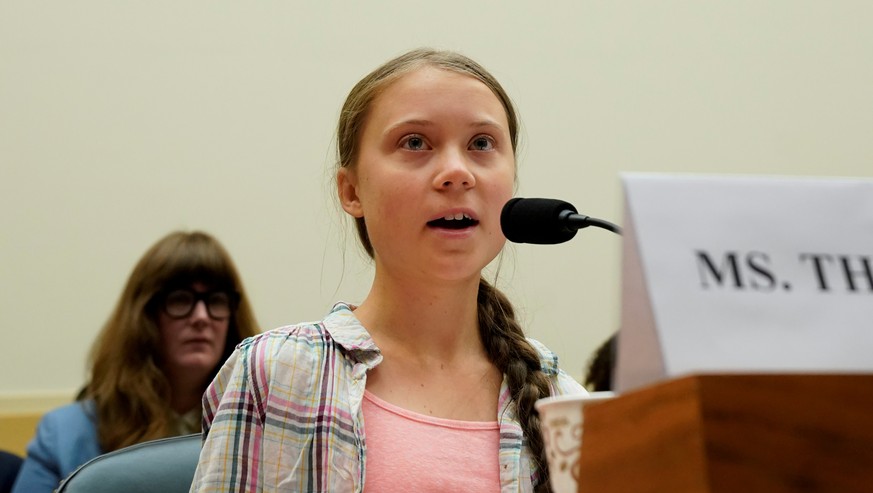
(733, 433)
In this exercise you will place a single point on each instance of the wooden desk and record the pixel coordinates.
(733, 433)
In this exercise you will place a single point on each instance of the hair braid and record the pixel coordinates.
(508, 348)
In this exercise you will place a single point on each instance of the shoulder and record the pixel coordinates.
(256, 359)
(288, 355)
(338, 331)
(300, 354)
(75, 416)
(559, 380)
(65, 438)
(290, 340)
(548, 359)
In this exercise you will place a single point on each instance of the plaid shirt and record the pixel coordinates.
(284, 413)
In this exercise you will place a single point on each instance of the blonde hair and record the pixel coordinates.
(129, 389)
(499, 330)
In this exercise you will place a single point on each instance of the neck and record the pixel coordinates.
(185, 394)
(436, 321)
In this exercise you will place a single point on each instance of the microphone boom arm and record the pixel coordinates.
(580, 221)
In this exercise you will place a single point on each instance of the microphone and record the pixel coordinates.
(545, 221)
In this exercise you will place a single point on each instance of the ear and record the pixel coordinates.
(347, 190)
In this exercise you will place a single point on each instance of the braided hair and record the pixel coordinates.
(511, 352)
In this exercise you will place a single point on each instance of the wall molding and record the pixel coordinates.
(33, 403)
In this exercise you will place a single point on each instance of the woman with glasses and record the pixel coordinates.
(179, 317)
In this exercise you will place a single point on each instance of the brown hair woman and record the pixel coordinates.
(180, 315)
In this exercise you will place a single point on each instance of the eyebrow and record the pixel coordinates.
(428, 123)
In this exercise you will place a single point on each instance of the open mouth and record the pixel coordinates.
(455, 221)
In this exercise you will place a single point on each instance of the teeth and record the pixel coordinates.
(456, 217)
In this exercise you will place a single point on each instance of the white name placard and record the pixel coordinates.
(745, 274)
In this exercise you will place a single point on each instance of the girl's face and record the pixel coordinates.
(435, 168)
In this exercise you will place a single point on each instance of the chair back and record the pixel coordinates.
(166, 465)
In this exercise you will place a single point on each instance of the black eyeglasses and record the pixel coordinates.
(179, 303)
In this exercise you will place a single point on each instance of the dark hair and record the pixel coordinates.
(510, 351)
(601, 366)
(130, 391)
(501, 333)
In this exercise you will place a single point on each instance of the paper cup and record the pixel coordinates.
(561, 426)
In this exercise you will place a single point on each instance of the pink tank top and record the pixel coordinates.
(407, 451)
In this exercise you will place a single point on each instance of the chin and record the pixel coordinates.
(198, 362)
(453, 271)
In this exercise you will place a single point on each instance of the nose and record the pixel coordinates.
(454, 172)
(200, 314)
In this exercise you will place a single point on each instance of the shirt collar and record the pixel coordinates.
(187, 423)
(548, 359)
(346, 330)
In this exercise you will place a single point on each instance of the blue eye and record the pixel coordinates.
(482, 143)
(414, 143)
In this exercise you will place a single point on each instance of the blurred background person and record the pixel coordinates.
(10, 464)
(601, 366)
(179, 317)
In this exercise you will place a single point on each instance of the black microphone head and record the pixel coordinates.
(536, 221)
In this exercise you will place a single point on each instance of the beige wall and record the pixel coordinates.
(120, 121)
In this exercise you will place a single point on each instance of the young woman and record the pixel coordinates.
(180, 315)
(429, 383)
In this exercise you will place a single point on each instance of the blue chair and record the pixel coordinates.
(166, 466)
